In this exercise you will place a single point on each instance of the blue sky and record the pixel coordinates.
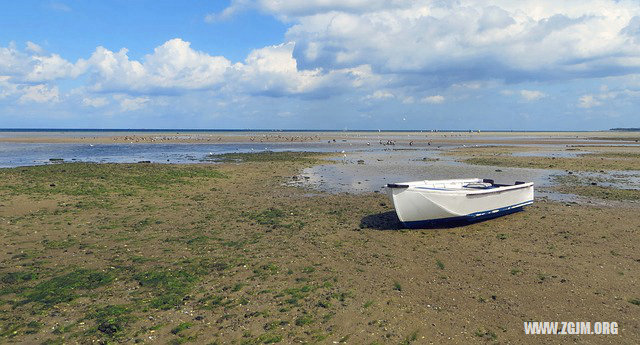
(74, 29)
(320, 64)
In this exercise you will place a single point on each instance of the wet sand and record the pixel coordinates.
(234, 252)
(374, 137)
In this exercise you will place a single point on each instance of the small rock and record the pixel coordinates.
(498, 170)
(108, 328)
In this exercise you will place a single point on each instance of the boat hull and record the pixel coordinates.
(418, 206)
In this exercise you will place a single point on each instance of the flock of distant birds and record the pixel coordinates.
(265, 138)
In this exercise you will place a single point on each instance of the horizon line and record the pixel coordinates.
(89, 129)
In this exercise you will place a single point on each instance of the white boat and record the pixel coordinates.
(428, 203)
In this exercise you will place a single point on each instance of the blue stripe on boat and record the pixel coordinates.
(472, 217)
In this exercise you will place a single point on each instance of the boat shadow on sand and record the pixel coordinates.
(389, 221)
(382, 221)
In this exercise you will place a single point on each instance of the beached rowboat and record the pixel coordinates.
(428, 203)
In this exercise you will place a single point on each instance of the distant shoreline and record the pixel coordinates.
(207, 130)
(625, 129)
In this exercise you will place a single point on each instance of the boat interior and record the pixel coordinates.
(462, 184)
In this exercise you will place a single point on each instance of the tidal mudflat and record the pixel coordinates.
(594, 172)
(231, 252)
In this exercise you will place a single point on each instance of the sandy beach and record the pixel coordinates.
(374, 137)
(246, 251)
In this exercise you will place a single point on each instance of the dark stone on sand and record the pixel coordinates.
(108, 328)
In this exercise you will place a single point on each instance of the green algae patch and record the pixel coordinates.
(605, 193)
(89, 179)
(269, 156)
(572, 184)
(65, 288)
(169, 287)
(583, 163)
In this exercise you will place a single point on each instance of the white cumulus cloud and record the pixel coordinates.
(273, 70)
(95, 102)
(435, 99)
(39, 94)
(131, 103)
(34, 48)
(172, 67)
(532, 95)
(457, 42)
(588, 101)
(381, 94)
(35, 67)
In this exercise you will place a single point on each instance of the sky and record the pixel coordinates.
(320, 64)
